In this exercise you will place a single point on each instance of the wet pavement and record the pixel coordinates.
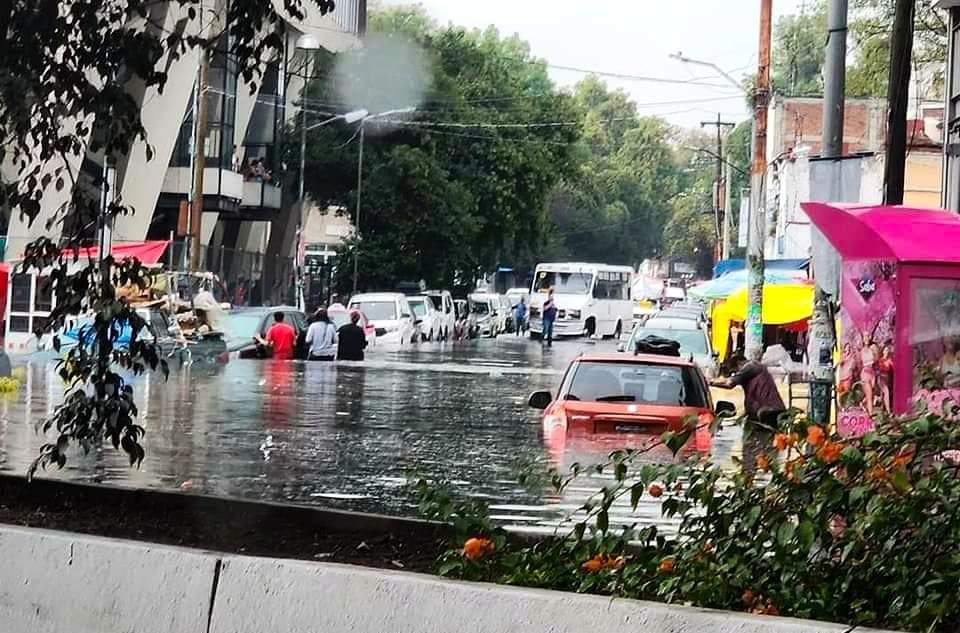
(347, 436)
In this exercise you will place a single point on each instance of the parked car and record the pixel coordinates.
(694, 341)
(619, 394)
(242, 324)
(340, 316)
(492, 313)
(443, 302)
(391, 316)
(429, 319)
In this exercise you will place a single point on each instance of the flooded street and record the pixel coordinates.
(344, 436)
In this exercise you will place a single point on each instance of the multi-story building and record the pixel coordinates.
(798, 174)
(244, 207)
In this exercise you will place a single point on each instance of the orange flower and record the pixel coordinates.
(748, 597)
(877, 473)
(615, 564)
(771, 609)
(593, 565)
(666, 566)
(781, 441)
(903, 459)
(476, 548)
(830, 452)
(815, 435)
(763, 463)
(655, 491)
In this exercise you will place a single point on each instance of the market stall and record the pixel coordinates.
(899, 308)
(784, 304)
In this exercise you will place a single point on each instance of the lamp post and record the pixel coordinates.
(356, 224)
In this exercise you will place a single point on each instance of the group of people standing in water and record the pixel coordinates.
(323, 340)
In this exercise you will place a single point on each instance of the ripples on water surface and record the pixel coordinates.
(344, 436)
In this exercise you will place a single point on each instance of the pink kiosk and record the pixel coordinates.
(899, 308)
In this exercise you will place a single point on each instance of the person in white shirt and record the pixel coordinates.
(322, 338)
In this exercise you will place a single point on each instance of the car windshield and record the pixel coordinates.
(563, 283)
(691, 341)
(479, 307)
(243, 325)
(635, 382)
(419, 307)
(377, 310)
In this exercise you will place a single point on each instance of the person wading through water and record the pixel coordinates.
(351, 339)
(322, 338)
(763, 406)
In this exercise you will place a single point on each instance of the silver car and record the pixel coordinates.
(694, 341)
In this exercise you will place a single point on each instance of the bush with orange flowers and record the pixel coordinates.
(859, 530)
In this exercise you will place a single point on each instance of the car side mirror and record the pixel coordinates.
(726, 409)
(418, 322)
(540, 400)
(621, 347)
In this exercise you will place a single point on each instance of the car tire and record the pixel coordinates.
(590, 327)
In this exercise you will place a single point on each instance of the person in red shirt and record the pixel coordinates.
(281, 338)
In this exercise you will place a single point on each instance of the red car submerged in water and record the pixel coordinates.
(614, 401)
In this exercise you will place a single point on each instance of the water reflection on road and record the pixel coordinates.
(345, 435)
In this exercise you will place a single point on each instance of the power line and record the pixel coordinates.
(662, 80)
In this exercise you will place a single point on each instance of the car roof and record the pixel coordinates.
(377, 296)
(636, 359)
(263, 310)
(678, 314)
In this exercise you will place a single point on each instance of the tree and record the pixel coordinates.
(462, 185)
(614, 206)
(70, 73)
(798, 51)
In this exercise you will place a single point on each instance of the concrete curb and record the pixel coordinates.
(57, 582)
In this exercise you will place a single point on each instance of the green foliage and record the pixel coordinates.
(441, 201)
(864, 531)
(798, 51)
(71, 79)
(614, 207)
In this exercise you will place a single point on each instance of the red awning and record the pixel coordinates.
(149, 253)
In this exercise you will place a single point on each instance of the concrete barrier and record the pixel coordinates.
(258, 595)
(57, 582)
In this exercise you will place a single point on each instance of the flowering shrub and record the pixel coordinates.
(864, 531)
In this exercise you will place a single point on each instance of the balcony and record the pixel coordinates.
(257, 193)
(216, 182)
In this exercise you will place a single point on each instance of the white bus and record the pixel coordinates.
(592, 299)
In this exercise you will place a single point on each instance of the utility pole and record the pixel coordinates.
(821, 326)
(356, 226)
(755, 269)
(199, 156)
(901, 52)
(720, 191)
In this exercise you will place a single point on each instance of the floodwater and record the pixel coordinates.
(347, 436)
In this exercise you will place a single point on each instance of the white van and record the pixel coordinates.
(429, 319)
(447, 312)
(591, 299)
(390, 314)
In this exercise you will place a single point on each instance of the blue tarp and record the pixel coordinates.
(725, 266)
(734, 281)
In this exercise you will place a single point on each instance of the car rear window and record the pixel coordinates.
(377, 310)
(635, 382)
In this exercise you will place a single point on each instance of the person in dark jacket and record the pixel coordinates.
(351, 339)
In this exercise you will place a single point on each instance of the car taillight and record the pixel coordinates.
(555, 417)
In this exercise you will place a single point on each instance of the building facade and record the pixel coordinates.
(243, 198)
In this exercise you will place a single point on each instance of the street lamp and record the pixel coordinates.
(687, 60)
(356, 224)
(310, 43)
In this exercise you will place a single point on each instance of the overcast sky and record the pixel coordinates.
(634, 37)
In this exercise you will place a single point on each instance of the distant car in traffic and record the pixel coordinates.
(429, 319)
(243, 324)
(492, 313)
(340, 316)
(620, 394)
(391, 316)
(447, 312)
(694, 341)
